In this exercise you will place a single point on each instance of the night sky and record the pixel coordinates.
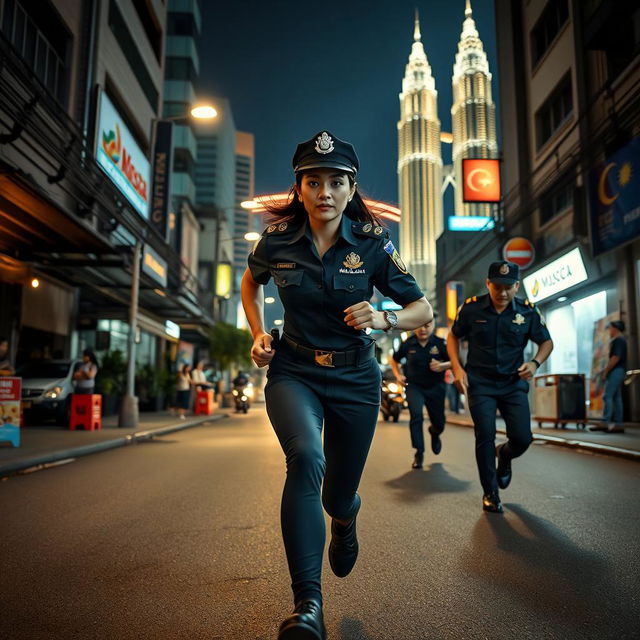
(291, 69)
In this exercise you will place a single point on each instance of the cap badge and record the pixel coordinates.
(324, 143)
(352, 261)
(504, 269)
(519, 319)
(282, 226)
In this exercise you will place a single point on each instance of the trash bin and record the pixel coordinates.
(560, 398)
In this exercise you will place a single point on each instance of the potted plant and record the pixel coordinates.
(111, 381)
(148, 385)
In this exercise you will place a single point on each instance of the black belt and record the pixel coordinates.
(332, 358)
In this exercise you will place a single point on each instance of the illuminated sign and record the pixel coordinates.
(470, 223)
(172, 329)
(153, 265)
(519, 251)
(454, 298)
(223, 280)
(556, 276)
(481, 180)
(162, 168)
(120, 157)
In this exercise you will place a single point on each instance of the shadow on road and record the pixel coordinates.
(352, 629)
(531, 559)
(417, 484)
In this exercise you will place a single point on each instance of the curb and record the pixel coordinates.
(580, 445)
(65, 455)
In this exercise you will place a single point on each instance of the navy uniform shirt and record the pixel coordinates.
(417, 357)
(497, 340)
(315, 292)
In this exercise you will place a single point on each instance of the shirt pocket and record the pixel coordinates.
(350, 289)
(516, 336)
(288, 278)
(480, 334)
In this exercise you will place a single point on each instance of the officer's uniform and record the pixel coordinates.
(424, 386)
(323, 370)
(496, 345)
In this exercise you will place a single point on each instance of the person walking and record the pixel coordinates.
(613, 373)
(325, 251)
(498, 327)
(426, 360)
(183, 390)
(84, 378)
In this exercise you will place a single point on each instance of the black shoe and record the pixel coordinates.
(418, 459)
(343, 548)
(436, 443)
(598, 427)
(504, 469)
(306, 623)
(491, 502)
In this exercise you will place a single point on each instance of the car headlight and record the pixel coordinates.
(235, 392)
(393, 387)
(53, 392)
(249, 392)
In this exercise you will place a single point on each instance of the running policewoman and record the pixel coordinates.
(325, 251)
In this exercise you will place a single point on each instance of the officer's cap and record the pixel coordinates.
(324, 150)
(504, 272)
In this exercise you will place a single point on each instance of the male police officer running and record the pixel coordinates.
(498, 326)
(426, 361)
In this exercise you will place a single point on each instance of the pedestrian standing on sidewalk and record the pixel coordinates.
(498, 327)
(426, 360)
(326, 251)
(84, 378)
(183, 390)
(613, 373)
(199, 378)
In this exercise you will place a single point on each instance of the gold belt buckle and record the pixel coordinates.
(324, 358)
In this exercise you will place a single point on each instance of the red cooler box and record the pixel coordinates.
(204, 402)
(86, 411)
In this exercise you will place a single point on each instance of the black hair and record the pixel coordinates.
(3, 339)
(92, 356)
(294, 211)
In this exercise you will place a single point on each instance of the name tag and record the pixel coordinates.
(285, 265)
(481, 321)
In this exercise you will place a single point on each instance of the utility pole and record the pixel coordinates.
(128, 417)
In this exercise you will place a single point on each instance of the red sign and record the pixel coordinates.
(10, 389)
(520, 251)
(481, 180)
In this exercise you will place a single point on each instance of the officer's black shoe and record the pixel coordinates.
(343, 548)
(436, 443)
(306, 623)
(504, 469)
(491, 502)
(418, 460)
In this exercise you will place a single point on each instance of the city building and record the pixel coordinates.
(419, 167)
(472, 112)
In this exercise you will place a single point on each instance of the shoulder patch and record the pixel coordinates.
(369, 230)
(394, 255)
(278, 227)
(528, 303)
(470, 300)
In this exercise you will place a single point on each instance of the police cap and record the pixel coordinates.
(324, 150)
(504, 272)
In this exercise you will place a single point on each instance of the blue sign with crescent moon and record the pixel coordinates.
(615, 199)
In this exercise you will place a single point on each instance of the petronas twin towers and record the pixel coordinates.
(420, 168)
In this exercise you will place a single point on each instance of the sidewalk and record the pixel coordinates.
(41, 447)
(625, 445)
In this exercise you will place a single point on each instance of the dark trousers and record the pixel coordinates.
(301, 397)
(510, 398)
(432, 398)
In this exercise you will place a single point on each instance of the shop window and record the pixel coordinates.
(551, 21)
(150, 26)
(555, 202)
(181, 24)
(41, 38)
(180, 69)
(556, 110)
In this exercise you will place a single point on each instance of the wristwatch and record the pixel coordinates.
(391, 319)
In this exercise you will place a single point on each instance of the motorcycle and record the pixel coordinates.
(392, 400)
(243, 394)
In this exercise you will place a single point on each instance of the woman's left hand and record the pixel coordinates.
(363, 315)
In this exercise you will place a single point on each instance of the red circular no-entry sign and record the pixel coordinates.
(520, 251)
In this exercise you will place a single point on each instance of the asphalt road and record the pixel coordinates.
(179, 538)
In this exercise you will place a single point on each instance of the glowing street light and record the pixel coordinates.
(204, 112)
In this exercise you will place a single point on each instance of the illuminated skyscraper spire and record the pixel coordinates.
(473, 111)
(419, 166)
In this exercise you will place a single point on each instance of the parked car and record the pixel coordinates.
(47, 386)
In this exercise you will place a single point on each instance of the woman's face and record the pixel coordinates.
(325, 193)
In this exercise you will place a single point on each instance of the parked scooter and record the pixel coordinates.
(392, 400)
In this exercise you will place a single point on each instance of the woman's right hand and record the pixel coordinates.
(261, 352)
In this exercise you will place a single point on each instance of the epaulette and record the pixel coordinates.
(276, 228)
(369, 230)
(472, 299)
(528, 303)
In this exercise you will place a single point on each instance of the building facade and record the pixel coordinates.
(419, 167)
